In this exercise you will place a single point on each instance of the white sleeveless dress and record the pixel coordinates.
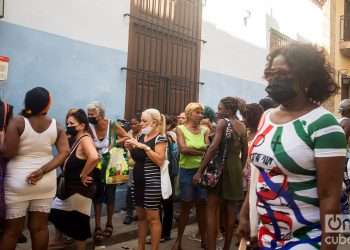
(34, 151)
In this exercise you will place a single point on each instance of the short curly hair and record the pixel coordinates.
(308, 64)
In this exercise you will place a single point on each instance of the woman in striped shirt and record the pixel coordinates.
(148, 152)
(298, 151)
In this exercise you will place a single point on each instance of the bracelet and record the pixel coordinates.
(42, 171)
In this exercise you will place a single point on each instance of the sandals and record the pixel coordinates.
(98, 234)
(108, 231)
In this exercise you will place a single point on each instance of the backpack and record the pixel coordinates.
(173, 156)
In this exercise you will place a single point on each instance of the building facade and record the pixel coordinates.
(86, 50)
(340, 47)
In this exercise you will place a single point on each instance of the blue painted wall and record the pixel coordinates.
(76, 73)
(219, 85)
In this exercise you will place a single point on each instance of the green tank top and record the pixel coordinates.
(195, 141)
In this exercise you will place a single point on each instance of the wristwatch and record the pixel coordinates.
(147, 148)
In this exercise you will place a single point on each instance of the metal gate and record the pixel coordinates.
(163, 55)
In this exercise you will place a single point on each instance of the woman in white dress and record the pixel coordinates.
(30, 182)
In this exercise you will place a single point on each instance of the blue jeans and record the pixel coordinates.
(188, 191)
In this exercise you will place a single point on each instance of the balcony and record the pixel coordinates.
(345, 35)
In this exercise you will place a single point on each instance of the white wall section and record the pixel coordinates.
(98, 22)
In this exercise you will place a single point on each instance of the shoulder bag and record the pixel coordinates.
(214, 169)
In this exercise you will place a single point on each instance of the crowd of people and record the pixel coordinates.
(257, 172)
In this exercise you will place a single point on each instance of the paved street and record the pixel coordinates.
(187, 243)
(124, 238)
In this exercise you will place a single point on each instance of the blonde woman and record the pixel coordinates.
(192, 141)
(148, 152)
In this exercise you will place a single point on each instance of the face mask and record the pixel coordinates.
(92, 120)
(72, 131)
(146, 130)
(281, 90)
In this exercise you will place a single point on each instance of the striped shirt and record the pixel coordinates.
(146, 187)
(287, 198)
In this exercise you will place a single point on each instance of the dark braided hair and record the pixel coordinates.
(233, 104)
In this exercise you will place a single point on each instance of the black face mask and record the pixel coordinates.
(92, 120)
(281, 90)
(72, 131)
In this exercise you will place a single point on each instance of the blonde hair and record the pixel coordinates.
(158, 118)
(192, 106)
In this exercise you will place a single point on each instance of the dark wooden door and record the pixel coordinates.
(163, 55)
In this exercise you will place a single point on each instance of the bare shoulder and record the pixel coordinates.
(87, 139)
(18, 122)
(239, 126)
(345, 122)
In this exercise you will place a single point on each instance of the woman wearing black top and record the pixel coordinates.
(71, 216)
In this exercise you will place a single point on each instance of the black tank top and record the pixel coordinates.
(74, 165)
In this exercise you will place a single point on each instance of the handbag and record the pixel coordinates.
(117, 171)
(67, 188)
(214, 169)
(167, 190)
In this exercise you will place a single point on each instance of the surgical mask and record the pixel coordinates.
(72, 131)
(146, 130)
(281, 90)
(92, 120)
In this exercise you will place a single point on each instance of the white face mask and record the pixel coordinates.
(146, 130)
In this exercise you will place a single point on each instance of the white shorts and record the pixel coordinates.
(20, 209)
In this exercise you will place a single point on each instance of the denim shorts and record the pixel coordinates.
(188, 191)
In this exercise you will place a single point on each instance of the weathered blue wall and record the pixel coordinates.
(76, 73)
(217, 86)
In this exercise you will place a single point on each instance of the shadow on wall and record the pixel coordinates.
(229, 55)
(218, 86)
(227, 63)
(76, 73)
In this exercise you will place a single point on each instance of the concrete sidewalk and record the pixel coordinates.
(121, 233)
(186, 242)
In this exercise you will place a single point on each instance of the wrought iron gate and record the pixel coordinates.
(163, 55)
